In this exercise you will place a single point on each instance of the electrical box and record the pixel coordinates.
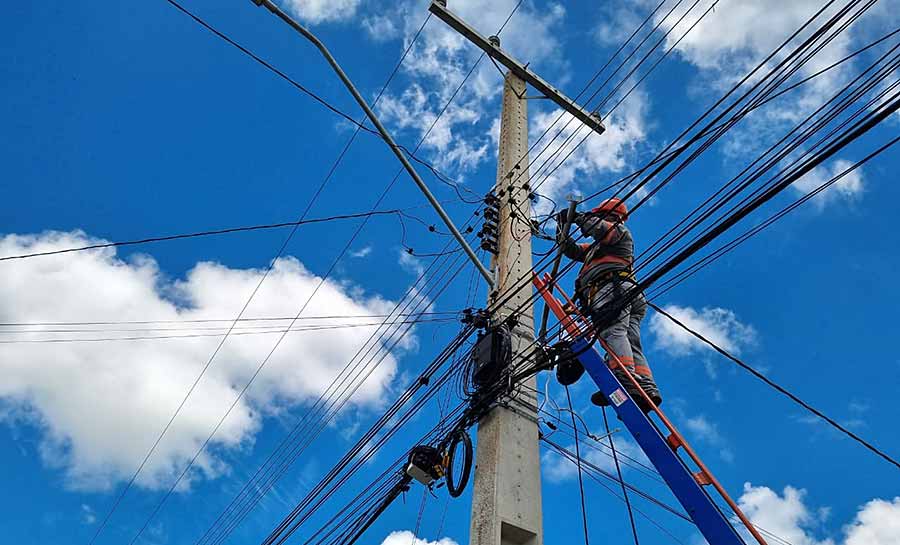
(491, 356)
(424, 464)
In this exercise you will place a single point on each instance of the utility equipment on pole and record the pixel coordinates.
(506, 497)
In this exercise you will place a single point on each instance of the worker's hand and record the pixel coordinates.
(561, 217)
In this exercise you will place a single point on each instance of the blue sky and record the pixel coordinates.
(127, 120)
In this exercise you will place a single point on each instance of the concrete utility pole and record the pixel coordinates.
(506, 497)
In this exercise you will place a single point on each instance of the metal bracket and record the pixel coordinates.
(491, 47)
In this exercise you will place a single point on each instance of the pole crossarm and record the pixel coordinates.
(491, 47)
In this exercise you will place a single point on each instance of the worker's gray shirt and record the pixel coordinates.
(611, 249)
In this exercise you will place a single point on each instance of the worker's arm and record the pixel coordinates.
(571, 249)
(598, 229)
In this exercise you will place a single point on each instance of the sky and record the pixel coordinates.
(129, 120)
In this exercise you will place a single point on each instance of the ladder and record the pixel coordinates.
(661, 443)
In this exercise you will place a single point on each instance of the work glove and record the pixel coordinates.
(561, 218)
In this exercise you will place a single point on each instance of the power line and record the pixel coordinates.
(724, 249)
(398, 212)
(259, 284)
(214, 320)
(283, 456)
(578, 464)
(444, 109)
(615, 457)
(221, 334)
(780, 389)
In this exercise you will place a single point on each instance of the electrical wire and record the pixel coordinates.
(442, 111)
(229, 230)
(612, 447)
(285, 455)
(206, 335)
(281, 250)
(777, 387)
(578, 463)
(722, 250)
(215, 320)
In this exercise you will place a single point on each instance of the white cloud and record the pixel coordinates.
(784, 515)
(719, 325)
(411, 263)
(406, 537)
(88, 515)
(100, 405)
(380, 28)
(439, 62)
(845, 191)
(362, 252)
(556, 173)
(731, 40)
(322, 11)
(877, 522)
(707, 431)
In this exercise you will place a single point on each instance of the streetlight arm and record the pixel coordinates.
(384, 133)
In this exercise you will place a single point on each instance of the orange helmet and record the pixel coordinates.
(614, 206)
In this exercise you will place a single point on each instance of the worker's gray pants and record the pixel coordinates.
(622, 334)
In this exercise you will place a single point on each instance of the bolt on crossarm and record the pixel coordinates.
(384, 133)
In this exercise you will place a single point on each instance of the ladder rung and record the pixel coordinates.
(674, 441)
(702, 478)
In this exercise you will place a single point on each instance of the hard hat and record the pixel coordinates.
(615, 206)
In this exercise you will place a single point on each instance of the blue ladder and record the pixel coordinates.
(688, 486)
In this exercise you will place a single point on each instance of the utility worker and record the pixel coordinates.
(605, 280)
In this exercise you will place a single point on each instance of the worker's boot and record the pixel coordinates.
(650, 388)
(598, 398)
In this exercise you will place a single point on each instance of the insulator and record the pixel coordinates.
(489, 246)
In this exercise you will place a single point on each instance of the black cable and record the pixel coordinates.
(578, 463)
(202, 335)
(724, 249)
(857, 130)
(797, 141)
(780, 389)
(242, 229)
(284, 455)
(612, 447)
(440, 114)
(213, 320)
(284, 245)
(415, 533)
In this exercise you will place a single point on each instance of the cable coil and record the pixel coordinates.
(461, 437)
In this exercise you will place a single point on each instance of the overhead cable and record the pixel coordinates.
(782, 390)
